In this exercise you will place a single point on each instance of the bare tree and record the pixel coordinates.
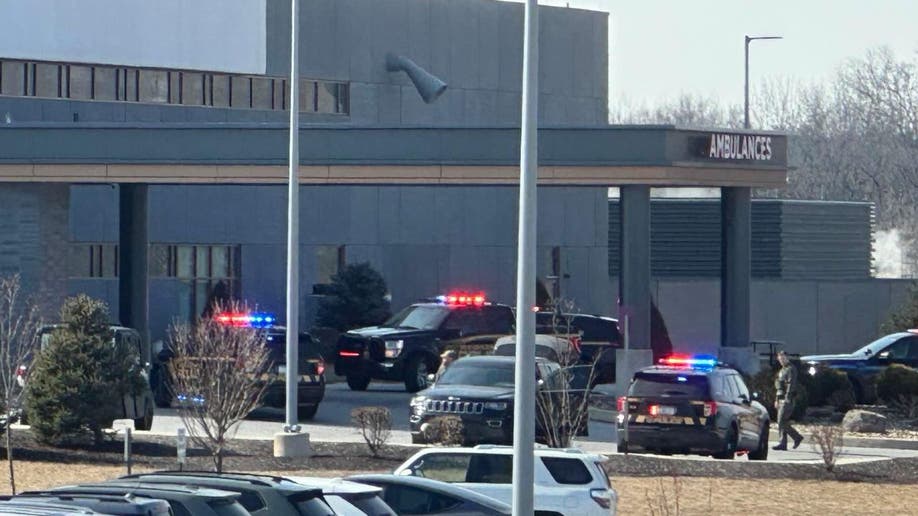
(562, 400)
(220, 373)
(19, 325)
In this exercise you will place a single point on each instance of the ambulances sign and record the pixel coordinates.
(742, 147)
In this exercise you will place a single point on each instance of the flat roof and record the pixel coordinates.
(257, 153)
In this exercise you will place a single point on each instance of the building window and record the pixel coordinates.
(330, 260)
(161, 86)
(93, 260)
(205, 272)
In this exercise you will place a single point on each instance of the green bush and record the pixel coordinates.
(832, 387)
(357, 298)
(897, 386)
(79, 380)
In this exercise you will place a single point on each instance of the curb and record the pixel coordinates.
(609, 416)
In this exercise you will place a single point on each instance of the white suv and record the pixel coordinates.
(567, 481)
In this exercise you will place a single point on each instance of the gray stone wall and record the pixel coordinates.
(476, 46)
(33, 240)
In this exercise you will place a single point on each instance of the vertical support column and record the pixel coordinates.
(133, 249)
(634, 282)
(736, 271)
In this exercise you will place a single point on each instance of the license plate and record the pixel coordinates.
(667, 411)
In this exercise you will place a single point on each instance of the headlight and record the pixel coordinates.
(418, 401)
(394, 347)
(496, 405)
(812, 370)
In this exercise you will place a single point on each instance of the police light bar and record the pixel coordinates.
(700, 361)
(462, 299)
(250, 320)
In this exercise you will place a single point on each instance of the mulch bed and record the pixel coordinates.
(159, 452)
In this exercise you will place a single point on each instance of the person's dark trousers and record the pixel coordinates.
(785, 430)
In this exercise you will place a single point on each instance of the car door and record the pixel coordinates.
(747, 416)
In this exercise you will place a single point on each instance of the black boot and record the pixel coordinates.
(781, 445)
(797, 440)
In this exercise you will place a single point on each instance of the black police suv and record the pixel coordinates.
(408, 346)
(688, 405)
(311, 366)
(478, 389)
(863, 365)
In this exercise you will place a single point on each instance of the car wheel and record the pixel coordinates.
(358, 382)
(416, 374)
(306, 412)
(729, 451)
(761, 453)
(145, 422)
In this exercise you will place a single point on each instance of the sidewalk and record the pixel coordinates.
(609, 416)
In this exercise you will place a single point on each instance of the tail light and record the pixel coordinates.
(710, 408)
(620, 404)
(320, 367)
(654, 410)
(602, 497)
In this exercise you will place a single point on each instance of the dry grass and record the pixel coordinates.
(710, 496)
(698, 496)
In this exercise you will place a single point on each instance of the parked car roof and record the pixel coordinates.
(435, 486)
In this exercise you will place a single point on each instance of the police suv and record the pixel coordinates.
(692, 405)
(311, 366)
(408, 346)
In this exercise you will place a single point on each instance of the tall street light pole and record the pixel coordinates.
(746, 89)
(524, 406)
(291, 423)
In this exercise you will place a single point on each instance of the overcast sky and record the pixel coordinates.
(661, 48)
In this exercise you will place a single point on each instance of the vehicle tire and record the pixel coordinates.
(306, 412)
(761, 453)
(418, 438)
(416, 373)
(145, 422)
(729, 451)
(358, 382)
(622, 446)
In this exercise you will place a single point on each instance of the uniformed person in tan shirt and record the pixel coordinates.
(785, 389)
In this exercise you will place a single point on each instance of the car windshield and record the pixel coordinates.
(419, 317)
(476, 373)
(876, 346)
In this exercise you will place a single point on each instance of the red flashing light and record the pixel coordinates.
(710, 408)
(689, 362)
(620, 404)
(654, 410)
(463, 299)
(349, 353)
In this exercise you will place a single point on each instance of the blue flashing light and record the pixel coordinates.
(694, 362)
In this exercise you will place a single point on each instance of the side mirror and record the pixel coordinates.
(744, 399)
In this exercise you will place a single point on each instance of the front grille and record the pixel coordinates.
(455, 407)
